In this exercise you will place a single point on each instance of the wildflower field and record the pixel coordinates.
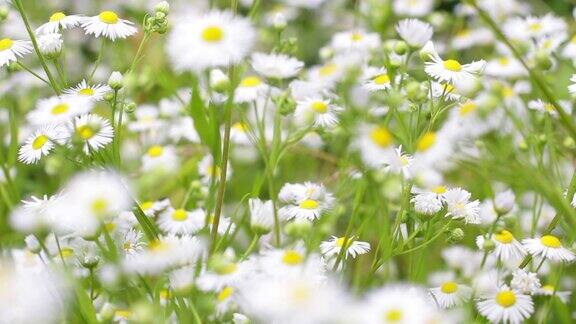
(287, 161)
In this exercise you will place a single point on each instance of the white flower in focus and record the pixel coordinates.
(93, 92)
(180, 221)
(304, 201)
(459, 206)
(414, 32)
(50, 44)
(93, 130)
(450, 70)
(450, 294)
(375, 79)
(506, 305)
(58, 110)
(109, 25)
(11, 50)
(261, 215)
(41, 143)
(320, 111)
(548, 247)
(59, 21)
(218, 38)
(525, 281)
(353, 247)
(427, 203)
(276, 66)
(508, 249)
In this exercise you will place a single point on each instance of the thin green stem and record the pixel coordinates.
(32, 72)
(20, 9)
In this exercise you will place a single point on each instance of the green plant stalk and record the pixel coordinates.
(98, 59)
(357, 201)
(20, 9)
(33, 73)
(224, 161)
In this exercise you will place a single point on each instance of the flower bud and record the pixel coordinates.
(163, 7)
(279, 21)
(504, 202)
(219, 81)
(298, 228)
(543, 60)
(456, 235)
(33, 244)
(488, 245)
(130, 107)
(116, 81)
(400, 47)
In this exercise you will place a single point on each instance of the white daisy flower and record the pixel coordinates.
(549, 290)
(321, 111)
(50, 44)
(94, 131)
(506, 306)
(11, 50)
(30, 217)
(459, 206)
(181, 221)
(414, 32)
(450, 294)
(375, 144)
(400, 163)
(358, 41)
(41, 142)
(507, 249)
(375, 79)
(261, 215)
(133, 242)
(93, 92)
(525, 281)
(427, 203)
(151, 208)
(250, 89)
(207, 170)
(58, 110)
(159, 157)
(450, 70)
(354, 248)
(87, 200)
(59, 21)
(108, 24)
(413, 8)
(541, 106)
(277, 66)
(548, 247)
(218, 38)
(304, 201)
(399, 304)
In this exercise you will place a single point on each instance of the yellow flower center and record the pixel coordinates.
(123, 313)
(225, 293)
(164, 294)
(67, 252)
(39, 142)
(448, 88)
(108, 17)
(504, 237)
(549, 107)
(319, 107)
(327, 69)
(227, 269)
(439, 190)
(180, 215)
(110, 227)
(426, 142)
(57, 16)
(147, 205)
(550, 241)
(356, 37)
(155, 151)
(381, 136)
(506, 298)
(87, 92)
(85, 132)
(309, 204)
(5, 44)
(60, 109)
(504, 61)
(467, 108)
(214, 171)
(340, 242)
(99, 206)
(241, 127)
(507, 92)
(449, 287)
(158, 246)
(292, 258)
(452, 65)
(250, 82)
(382, 79)
(212, 34)
(535, 27)
(393, 315)
(548, 288)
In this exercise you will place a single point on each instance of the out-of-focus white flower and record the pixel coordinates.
(414, 32)
(304, 201)
(277, 66)
(525, 281)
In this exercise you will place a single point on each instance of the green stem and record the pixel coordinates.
(251, 247)
(20, 9)
(98, 60)
(33, 73)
